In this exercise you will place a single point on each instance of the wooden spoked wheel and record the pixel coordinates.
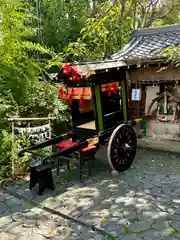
(122, 147)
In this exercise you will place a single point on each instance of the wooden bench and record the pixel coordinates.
(41, 170)
(41, 174)
(83, 155)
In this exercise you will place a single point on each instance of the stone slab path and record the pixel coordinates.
(141, 203)
(20, 220)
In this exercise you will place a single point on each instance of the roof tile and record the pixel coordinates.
(148, 43)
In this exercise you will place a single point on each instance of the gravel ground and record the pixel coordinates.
(141, 203)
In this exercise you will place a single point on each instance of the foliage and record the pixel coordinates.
(62, 21)
(109, 29)
(100, 36)
(21, 92)
(173, 55)
(20, 164)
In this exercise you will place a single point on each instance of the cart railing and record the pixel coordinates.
(77, 147)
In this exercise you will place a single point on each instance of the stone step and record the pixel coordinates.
(160, 145)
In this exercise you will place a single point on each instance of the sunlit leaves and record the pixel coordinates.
(173, 55)
(21, 92)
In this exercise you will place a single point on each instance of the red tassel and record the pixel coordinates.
(81, 102)
(61, 91)
(109, 91)
(115, 88)
(74, 78)
(67, 69)
(70, 100)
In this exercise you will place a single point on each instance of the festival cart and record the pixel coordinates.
(97, 96)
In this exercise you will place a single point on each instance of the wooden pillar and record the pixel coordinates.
(124, 99)
(98, 107)
(13, 150)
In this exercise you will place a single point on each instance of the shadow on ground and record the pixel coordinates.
(141, 203)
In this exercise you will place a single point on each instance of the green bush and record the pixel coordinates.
(21, 93)
(7, 153)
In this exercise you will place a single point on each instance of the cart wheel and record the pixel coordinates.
(121, 149)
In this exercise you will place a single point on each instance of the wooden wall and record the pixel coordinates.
(152, 74)
(137, 108)
(141, 77)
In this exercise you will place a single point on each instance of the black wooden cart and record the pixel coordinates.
(97, 93)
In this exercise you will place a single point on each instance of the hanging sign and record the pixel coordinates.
(136, 94)
(34, 134)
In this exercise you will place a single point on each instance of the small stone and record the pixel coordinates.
(139, 226)
(124, 222)
(64, 231)
(115, 173)
(131, 193)
(116, 213)
(176, 201)
(147, 191)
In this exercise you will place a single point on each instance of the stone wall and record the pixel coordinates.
(170, 131)
(164, 130)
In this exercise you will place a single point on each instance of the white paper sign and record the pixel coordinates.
(136, 94)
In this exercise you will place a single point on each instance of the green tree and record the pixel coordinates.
(110, 28)
(62, 21)
(21, 91)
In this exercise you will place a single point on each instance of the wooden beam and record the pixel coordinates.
(124, 99)
(111, 76)
(15, 119)
(97, 93)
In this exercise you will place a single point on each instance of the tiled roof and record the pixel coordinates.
(86, 67)
(148, 43)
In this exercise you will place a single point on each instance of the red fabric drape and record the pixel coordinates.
(84, 93)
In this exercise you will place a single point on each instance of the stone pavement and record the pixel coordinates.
(19, 220)
(141, 203)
